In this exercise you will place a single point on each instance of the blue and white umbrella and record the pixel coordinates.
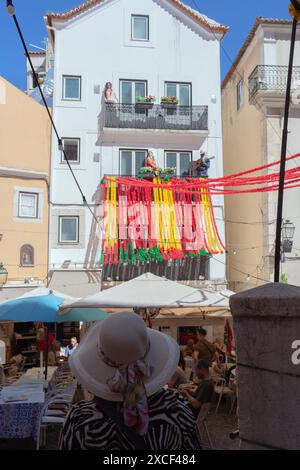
(42, 305)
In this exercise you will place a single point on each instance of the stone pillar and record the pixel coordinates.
(267, 330)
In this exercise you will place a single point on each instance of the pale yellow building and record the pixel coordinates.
(24, 183)
(253, 94)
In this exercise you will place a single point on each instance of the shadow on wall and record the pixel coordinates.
(76, 283)
(92, 256)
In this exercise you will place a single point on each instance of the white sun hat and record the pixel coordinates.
(116, 341)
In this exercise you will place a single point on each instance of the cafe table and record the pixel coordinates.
(20, 408)
(21, 404)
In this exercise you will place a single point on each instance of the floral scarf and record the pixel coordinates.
(128, 380)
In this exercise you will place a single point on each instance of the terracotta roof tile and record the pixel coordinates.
(258, 22)
(200, 19)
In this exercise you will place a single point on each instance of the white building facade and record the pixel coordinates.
(149, 47)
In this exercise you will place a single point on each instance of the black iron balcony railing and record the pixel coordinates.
(271, 78)
(153, 116)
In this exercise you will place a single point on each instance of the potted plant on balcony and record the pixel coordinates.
(167, 171)
(144, 102)
(169, 101)
(146, 172)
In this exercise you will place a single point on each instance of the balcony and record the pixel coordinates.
(267, 84)
(132, 124)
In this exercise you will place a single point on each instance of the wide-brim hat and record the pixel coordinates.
(119, 340)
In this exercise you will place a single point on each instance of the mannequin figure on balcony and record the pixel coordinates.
(202, 165)
(109, 94)
(150, 161)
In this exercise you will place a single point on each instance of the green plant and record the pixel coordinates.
(168, 171)
(169, 99)
(284, 279)
(145, 99)
(148, 171)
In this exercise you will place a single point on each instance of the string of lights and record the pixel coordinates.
(248, 275)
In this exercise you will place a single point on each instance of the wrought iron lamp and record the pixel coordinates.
(288, 230)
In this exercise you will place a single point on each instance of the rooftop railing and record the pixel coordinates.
(271, 78)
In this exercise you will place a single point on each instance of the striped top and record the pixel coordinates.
(172, 426)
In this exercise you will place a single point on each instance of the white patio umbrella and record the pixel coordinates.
(150, 291)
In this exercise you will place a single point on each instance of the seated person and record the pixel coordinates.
(188, 350)
(205, 389)
(218, 368)
(15, 362)
(218, 344)
(71, 347)
(179, 377)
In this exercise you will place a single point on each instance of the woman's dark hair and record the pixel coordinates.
(181, 362)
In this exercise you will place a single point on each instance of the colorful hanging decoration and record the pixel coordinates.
(156, 219)
(152, 222)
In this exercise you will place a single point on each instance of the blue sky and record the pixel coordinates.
(239, 16)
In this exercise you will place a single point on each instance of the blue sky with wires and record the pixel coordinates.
(237, 15)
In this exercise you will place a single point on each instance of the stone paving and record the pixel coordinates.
(219, 426)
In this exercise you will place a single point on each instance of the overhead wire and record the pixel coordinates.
(60, 144)
(59, 139)
(242, 272)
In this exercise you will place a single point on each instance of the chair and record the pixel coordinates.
(233, 387)
(51, 416)
(221, 389)
(201, 422)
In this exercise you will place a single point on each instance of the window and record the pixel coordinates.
(28, 205)
(139, 28)
(180, 161)
(72, 150)
(131, 89)
(182, 91)
(26, 256)
(71, 88)
(240, 94)
(131, 161)
(68, 229)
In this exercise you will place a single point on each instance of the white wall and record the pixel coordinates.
(97, 46)
(276, 52)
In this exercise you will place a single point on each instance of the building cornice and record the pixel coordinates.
(22, 173)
